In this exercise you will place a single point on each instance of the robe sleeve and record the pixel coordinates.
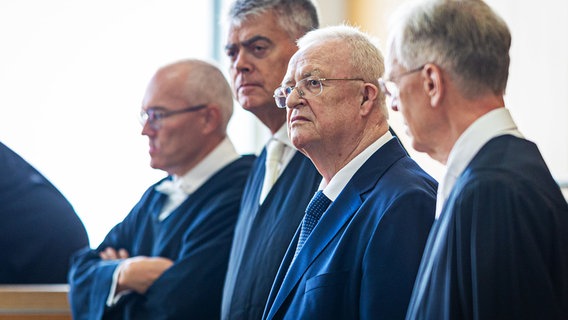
(90, 277)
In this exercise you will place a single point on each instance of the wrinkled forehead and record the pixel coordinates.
(321, 60)
(299, 66)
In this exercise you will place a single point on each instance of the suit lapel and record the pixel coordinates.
(259, 178)
(333, 220)
(275, 298)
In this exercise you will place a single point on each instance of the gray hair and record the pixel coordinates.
(466, 38)
(295, 16)
(366, 58)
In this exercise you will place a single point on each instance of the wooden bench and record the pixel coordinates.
(37, 302)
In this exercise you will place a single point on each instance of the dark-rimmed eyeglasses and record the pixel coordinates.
(306, 88)
(154, 115)
(390, 88)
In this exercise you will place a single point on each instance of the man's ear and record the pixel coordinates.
(212, 118)
(370, 94)
(433, 83)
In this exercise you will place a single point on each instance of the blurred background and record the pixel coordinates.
(73, 73)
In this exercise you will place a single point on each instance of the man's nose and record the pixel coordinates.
(242, 63)
(295, 98)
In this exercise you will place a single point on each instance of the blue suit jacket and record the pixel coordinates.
(361, 259)
(499, 249)
(39, 230)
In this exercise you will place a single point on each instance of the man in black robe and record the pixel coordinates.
(168, 258)
(261, 39)
(499, 247)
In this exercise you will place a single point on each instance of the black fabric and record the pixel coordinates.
(263, 234)
(500, 247)
(40, 229)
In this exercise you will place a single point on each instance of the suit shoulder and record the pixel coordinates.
(238, 168)
(406, 175)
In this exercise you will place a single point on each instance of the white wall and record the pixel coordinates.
(73, 74)
(537, 93)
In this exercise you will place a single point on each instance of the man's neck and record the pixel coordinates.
(330, 159)
(272, 118)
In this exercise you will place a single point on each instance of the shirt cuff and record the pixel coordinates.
(113, 298)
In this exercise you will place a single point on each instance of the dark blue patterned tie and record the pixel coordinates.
(315, 209)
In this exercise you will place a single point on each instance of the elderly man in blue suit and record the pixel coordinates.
(376, 204)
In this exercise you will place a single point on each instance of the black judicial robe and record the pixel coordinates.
(39, 230)
(499, 249)
(263, 234)
(197, 236)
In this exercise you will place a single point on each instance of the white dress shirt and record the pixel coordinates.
(185, 185)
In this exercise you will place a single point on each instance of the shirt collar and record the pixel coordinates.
(343, 176)
(221, 156)
(495, 123)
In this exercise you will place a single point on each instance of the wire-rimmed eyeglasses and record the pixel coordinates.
(155, 115)
(390, 88)
(306, 88)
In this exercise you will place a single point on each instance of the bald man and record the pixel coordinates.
(168, 258)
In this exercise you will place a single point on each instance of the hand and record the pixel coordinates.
(111, 254)
(139, 273)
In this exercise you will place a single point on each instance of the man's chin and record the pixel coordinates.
(299, 141)
(155, 165)
(252, 104)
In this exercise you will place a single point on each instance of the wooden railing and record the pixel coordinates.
(37, 302)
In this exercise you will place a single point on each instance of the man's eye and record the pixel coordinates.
(156, 115)
(257, 50)
(313, 83)
(231, 53)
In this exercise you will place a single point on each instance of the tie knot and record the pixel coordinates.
(274, 150)
(273, 166)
